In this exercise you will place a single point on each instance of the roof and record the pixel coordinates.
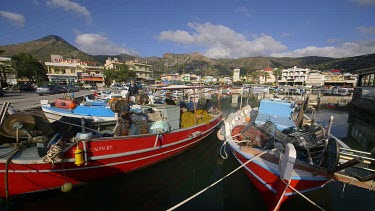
(335, 71)
(268, 69)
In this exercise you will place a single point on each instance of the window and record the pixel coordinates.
(63, 71)
(72, 71)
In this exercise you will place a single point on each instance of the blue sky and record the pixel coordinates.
(215, 28)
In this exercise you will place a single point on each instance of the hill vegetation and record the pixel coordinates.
(42, 48)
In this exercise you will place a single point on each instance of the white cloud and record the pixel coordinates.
(244, 11)
(71, 6)
(345, 50)
(223, 42)
(97, 44)
(366, 30)
(15, 18)
(364, 2)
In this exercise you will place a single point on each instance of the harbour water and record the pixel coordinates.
(161, 186)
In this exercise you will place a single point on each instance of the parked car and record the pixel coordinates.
(26, 87)
(50, 89)
(89, 86)
(119, 87)
(72, 88)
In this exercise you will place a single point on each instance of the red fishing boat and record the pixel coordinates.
(282, 160)
(36, 164)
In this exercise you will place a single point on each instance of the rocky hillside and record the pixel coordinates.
(189, 63)
(44, 47)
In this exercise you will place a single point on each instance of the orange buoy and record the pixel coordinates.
(247, 119)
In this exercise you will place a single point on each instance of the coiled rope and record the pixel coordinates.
(53, 155)
(213, 184)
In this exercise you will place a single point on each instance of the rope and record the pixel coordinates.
(223, 149)
(291, 187)
(6, 174)
(224, 145)
(282, 195)
(213, 184)
(52, 155)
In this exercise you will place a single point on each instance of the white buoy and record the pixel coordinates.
(66, 187)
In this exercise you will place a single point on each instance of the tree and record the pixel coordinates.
(265, 75)
(254, 77)
(28, 67)
(277, 73)
(122, 74)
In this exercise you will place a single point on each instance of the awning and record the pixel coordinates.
(91, 79)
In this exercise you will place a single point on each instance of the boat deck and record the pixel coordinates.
(29, 154)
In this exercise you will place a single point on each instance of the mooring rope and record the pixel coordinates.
(213, 184)
(291, 187)
(224, 145)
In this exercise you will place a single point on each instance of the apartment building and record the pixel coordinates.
(314, 79)
(294, 76)
(67, 71)
(6, 64)
(142, 70)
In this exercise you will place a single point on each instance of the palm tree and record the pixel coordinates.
(265, 75)
(277, 73)
(254, 76)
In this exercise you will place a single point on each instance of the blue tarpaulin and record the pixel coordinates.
(278, 112)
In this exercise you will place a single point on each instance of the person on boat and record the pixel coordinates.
(169, 101)
(190, 105)
(133, 90)
(208, 106)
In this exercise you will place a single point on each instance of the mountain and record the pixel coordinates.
(189, 63)
(44, 47)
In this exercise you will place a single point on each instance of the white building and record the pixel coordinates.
(294, 76)
(267, 76)
(236, 75)
(314, 78)
(66, 71)
(142, 70)
(7, 64)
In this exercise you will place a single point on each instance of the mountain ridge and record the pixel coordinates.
(188, 63)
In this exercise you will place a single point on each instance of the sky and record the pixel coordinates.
(215, 28)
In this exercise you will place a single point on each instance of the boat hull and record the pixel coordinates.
(105, 157)
(266, 178)
(53, 115)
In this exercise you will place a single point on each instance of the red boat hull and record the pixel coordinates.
(106, 157)
(271, 187)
